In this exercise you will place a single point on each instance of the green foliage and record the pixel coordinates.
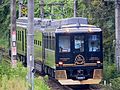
(109, 71)
(3, 43)
(4, 23)
(13, 84)
(40, 85)
(15, 78)
(115, 83)
(6, 70)
(4, 18)
(55, 11)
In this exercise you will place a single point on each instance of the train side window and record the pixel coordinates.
(20, 36)
(40, 43)
(36, 42)
(47, 40)
(94, 43)
(64, 44)
(17, 35)
(44, 38)
(79, 43)
(53, 42)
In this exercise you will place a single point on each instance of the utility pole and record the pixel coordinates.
(20, 5)
(75, 8)
(117, 30)
(30, 44)
(13, 34)
(42, 9)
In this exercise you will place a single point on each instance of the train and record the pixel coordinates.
(69, 50)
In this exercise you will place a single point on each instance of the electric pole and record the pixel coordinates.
(13, 34)
(117, 30)
(30, 44)
(75, 8)
(20, 5)
(42, 9)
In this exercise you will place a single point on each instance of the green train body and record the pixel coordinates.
(21, 41)
(49, 56)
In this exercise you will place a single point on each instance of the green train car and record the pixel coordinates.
(68, 50)
(47, 54)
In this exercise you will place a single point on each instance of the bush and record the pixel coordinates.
(115, 83)
(109, 71)
(15, 78)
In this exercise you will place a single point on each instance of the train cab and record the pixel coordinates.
(79, 54)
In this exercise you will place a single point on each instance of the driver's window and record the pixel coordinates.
(64, 44)
(94, 43)
(79, 43)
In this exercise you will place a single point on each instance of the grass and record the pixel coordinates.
(15, 78)
(13, 84)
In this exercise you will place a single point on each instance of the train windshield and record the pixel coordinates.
(94, 43)
(64, 44)
(79, 43)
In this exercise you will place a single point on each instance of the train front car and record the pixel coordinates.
(79, 55)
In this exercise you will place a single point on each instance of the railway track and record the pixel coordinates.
(54, 85)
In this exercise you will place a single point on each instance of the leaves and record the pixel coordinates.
(115, 83)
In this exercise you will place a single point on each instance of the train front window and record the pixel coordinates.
(79, 43)
(94, 43)
(64, 44)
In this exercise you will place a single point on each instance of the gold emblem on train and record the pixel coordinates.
(79, 59)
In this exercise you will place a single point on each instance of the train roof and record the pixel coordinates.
(78, 29)
(75, 24)
(49, 23)
(75, 28)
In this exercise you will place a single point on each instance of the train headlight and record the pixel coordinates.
(98, 62)
(60, 63)
(89, 30)
(67, 30)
